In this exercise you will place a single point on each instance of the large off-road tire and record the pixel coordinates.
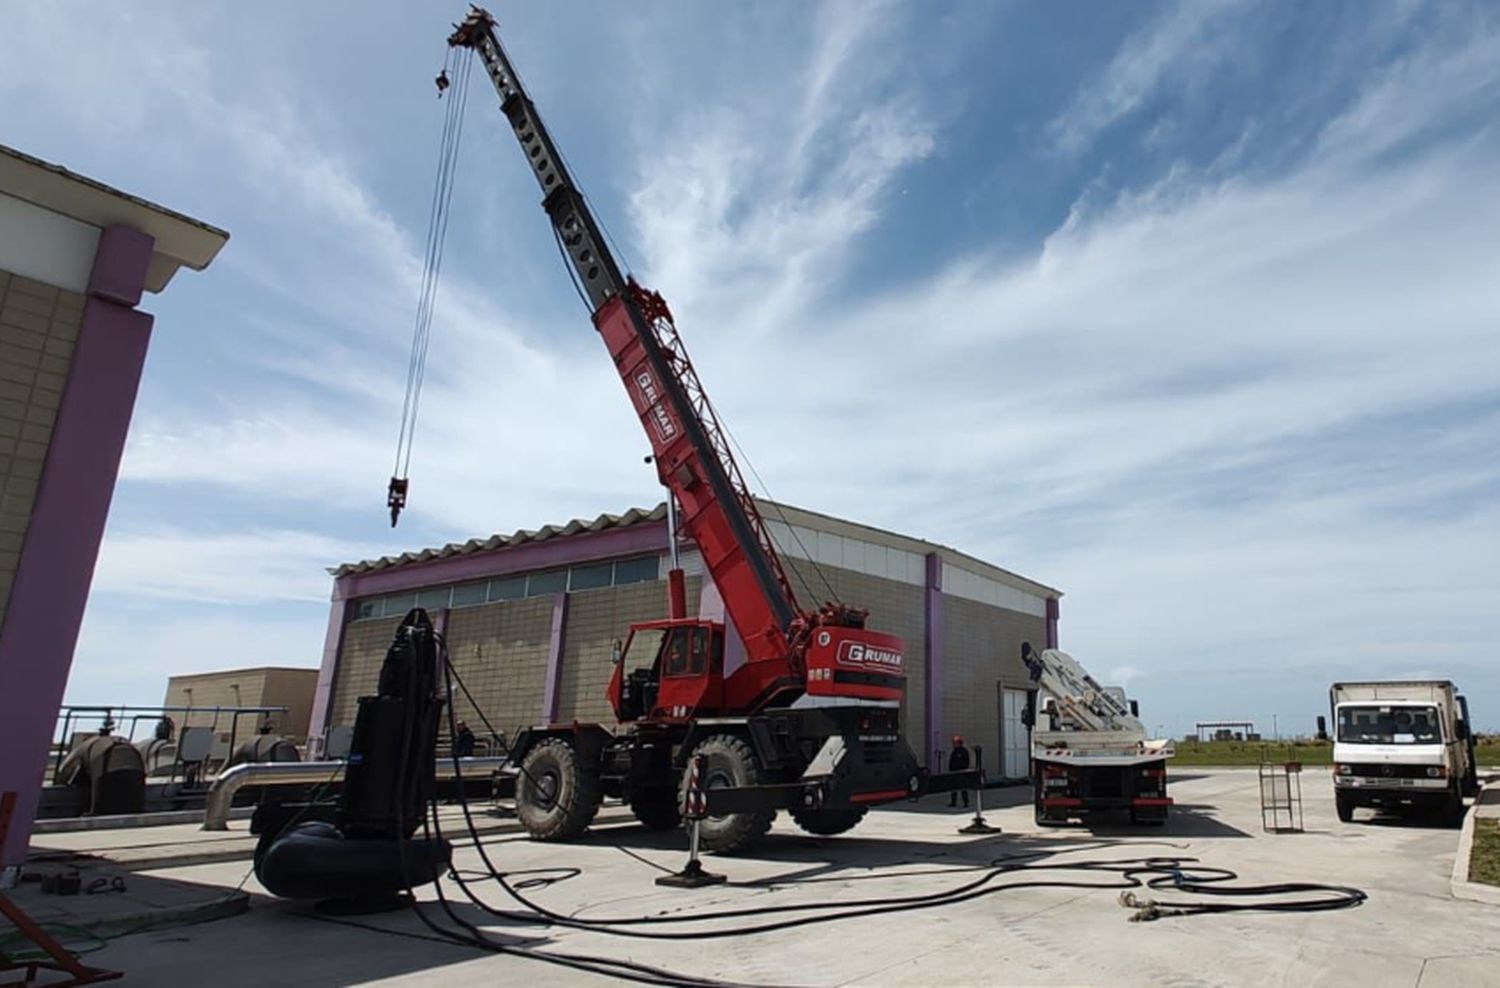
(827, 823)
(1345, 807)
(557, 795)
(730, 763)
(656, 809)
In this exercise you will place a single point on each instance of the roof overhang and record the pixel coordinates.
(181, 241)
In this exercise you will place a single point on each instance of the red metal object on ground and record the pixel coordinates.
(62, 961)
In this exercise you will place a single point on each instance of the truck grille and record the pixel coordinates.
(1384, 770)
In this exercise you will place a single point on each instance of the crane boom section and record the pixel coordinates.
(691, 450)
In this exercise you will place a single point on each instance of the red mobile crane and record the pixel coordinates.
(810, 721)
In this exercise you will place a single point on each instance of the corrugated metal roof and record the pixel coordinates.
(578, 525)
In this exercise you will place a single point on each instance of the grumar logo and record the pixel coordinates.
(659, 417)
(860, 654)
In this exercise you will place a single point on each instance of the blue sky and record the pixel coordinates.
(1191, 310)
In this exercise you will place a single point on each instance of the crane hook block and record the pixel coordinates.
(442, 82)
(395, 498)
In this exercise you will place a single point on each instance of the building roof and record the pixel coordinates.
(181, 240)
(785, 514)
(632, 517)
(248, 671)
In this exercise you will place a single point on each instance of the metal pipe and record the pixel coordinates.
(230, 781)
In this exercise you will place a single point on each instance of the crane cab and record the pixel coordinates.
(669, 670)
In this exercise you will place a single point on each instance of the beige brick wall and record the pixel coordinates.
(895, 608)
(365, 645)
(981, 649)
(596, 619)
(38, 328)
(233, 688)
(293, 689)
(500, 652)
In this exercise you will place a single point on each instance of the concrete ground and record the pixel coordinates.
(1410, 932)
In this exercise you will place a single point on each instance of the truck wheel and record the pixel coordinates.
(827, 823)
(1453, 810)
(1345, 807)
(730, 763)
(1046, 819)
(556, 795)
(656, 809)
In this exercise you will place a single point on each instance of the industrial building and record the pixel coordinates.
(265, 686)
(532, 619)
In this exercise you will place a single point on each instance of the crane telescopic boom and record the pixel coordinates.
(691, 449)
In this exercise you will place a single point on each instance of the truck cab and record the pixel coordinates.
(1402, 747)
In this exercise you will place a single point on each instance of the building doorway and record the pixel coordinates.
(1015, 736)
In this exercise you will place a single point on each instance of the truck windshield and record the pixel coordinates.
(1390, 725)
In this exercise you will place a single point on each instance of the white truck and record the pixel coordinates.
(1402, 747)
(1089, 751)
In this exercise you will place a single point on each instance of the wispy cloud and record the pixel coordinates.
(1171, 50)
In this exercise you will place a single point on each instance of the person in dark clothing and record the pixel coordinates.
(958, 761)
(165, 728)
(463, 741)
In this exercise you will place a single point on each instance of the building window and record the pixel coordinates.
(546, 582)
(469, 594)
(637, 570)
(397, 605)
(591, 577)
(508, 588)
(434, 599)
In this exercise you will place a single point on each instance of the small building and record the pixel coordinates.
(213, 694)
(532, 618)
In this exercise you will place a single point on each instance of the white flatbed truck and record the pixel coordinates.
(1090, 753)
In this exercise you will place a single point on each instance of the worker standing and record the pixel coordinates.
(463, 741)
(958, 761)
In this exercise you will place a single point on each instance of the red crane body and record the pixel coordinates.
(824, 660)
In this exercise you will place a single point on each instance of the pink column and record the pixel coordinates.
(67, 521)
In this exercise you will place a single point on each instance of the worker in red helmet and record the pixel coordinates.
(958, 761)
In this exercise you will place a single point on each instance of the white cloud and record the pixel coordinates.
(1180, 43)
(241, 567)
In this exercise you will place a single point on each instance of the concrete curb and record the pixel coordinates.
(1459, 884)
(73, 824)
(170, 917)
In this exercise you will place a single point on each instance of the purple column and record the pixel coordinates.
(340, 613)
(1051, 622)
(67, 521)
(552, 686)
(933, 649)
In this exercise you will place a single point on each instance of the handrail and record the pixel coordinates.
(230, 781)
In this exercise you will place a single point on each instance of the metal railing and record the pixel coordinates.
(68, 714)
(221, 793)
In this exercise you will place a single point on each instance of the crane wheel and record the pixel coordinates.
(730, 763)
(827, 823)
(656, 809)
(556, 795)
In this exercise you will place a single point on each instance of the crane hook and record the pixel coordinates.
(395, 498)
(442, 82)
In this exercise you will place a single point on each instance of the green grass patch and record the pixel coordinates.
(1484, 861)
(1487, 752)
(1251, 753)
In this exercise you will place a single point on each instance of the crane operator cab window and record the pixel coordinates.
(686, 652)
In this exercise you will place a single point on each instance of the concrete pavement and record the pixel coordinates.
(1410, 932)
